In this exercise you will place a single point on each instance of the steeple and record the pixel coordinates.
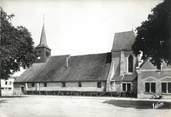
(43, 52)
(43, 42)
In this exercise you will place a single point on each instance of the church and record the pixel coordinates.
(117, 73)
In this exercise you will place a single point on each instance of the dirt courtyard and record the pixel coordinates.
(68, 106)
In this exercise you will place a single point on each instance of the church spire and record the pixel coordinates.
(43, 52)
(43, 42)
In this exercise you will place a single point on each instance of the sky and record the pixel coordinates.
(78, 27)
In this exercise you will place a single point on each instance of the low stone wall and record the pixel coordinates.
(69, 86)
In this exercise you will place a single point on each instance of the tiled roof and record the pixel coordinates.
(123, 41)
(93, 67)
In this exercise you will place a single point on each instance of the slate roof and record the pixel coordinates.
(94, 67)
(123, 41)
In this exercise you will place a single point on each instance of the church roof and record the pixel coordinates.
(123, 41)
(94, 67)
(43, 42)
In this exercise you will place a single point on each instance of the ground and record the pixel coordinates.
(68, 106)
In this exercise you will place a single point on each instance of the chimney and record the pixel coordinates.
(67, 61)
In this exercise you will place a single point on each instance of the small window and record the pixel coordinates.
(45, 84)
(79, 84)
(124, 87)
(147, 87)
(6, 82)
(169, 87)
(63, 84)
(130, 63)
(99, 84)
(9, 88)
(153, 87)
(164, 87)
(32, 84)
(128, 87)
(150, 87)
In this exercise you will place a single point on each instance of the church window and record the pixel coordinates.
(45, 84)
(32, 84)
(150, 87)
(99, 85)
(126, 87)
(79, 84)
(63, 84)
(166, 87)
(130, 63)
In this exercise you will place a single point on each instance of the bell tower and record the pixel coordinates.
(43, 52)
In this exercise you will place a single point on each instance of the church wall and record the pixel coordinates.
(69, 86)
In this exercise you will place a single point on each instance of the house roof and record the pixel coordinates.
(94, 67)
(123, 41)
(148, 65)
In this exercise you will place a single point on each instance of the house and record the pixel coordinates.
(153, 82)
(105, 72)
(7, 87)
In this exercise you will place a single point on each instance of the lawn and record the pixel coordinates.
(68, 106)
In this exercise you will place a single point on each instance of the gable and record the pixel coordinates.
(147, 65)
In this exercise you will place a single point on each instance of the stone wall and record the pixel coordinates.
(57, 86)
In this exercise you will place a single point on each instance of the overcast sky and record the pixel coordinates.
(78, 26)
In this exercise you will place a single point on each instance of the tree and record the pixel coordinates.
(154, 35)
(16, 46)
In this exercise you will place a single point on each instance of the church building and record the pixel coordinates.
(116, 72)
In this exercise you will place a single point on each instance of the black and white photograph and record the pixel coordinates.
(85, 58)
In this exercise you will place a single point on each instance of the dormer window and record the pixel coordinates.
(130, 64)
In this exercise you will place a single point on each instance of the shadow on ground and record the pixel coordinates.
(137, 104)
(12, 96)
(3, 101)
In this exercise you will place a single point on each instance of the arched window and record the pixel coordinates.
(130, 63)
